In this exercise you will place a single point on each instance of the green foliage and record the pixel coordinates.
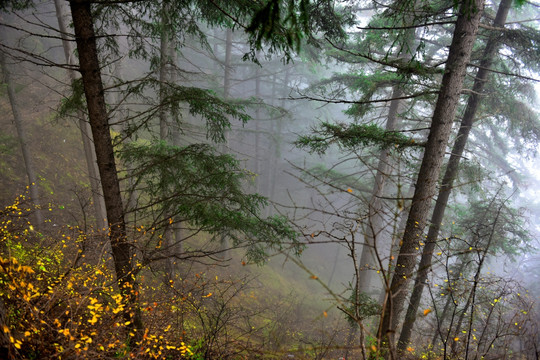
(524, 43)
(361, 307)
(13, 5)
(206, 189)
(472, 173)
(217, 111)
(496, 221)
(177, 20)
(75, 101)
(337, 179)
(361, 83)
(282, 25)
(267, 20)
(514, 118)
(353, 136)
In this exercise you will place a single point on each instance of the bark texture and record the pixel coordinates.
(97, 113)
(460, 51)
(451, 174)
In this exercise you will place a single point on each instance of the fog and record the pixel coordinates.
(226, 180)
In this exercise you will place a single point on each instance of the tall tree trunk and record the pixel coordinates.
(278, 141)
(224, 243)
(23, 140)
(228, 67)
(84, 126)
(373, 237)
(257, 132)
(179, 232)
(450, 175)
(460, 51)
(375, 224)
(164, 73)
(97, 113)
(172, 232)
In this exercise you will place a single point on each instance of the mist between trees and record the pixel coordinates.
(301, 179)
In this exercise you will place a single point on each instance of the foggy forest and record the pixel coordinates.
(266, 179)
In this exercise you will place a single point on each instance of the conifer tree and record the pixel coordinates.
(464, 37)
(450, 175)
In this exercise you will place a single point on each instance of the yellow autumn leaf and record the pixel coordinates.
(427, 311)
(456, 339)
(325, 314)
(349, 190)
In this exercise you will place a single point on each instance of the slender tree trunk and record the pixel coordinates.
(257, 131)
(375, 224)
(84, 126)
(228, 67)
(224, 243)
(172, 231)
(373, 237)
(97, 112)
(164, 73)
(23, 140)
(445, 109)
(179, 233)
(278, 141)
(450, 175)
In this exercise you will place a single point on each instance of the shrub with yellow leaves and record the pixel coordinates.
(52, 306)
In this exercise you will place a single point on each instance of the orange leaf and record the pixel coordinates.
(313, 277)
(325, 314)
(427, 311)
(349, 190)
